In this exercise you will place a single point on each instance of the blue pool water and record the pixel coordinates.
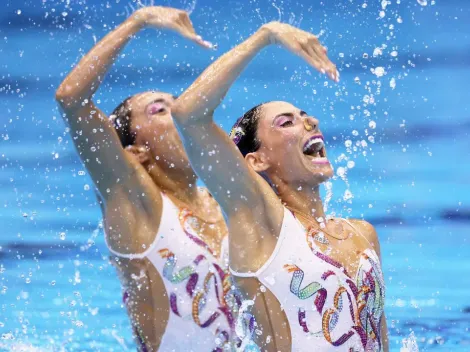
(57, 290)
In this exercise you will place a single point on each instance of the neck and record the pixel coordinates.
(304, 199)
(179, 184)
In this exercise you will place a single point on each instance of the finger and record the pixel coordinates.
(323, 66)
(198, 40)
(191, 33)
(187, 22)
(311, 60)
(330, 67)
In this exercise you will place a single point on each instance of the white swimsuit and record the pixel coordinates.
(195, 279)
(327, 309)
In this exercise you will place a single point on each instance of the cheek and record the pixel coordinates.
(285, 142)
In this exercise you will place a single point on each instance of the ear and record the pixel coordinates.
(257, 161)
(140, 152)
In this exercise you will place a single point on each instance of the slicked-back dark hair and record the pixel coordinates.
(121, 120)
(245, 131)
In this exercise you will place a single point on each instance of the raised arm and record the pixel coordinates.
(213, 155)
(92, 133)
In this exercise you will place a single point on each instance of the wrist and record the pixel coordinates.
(268, 32)
(263, 36)
(138, 20)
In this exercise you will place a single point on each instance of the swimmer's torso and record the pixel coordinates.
(327, 309)
(185, 284)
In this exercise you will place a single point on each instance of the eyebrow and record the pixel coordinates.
(290, 114)
(158, 100)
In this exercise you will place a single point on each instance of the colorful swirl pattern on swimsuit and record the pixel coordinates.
(324, 306)
(201, 301)
(369, 294)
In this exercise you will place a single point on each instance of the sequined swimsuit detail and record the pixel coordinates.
(327, 309)
(195, 280)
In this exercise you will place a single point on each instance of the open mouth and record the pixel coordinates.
(314, 149)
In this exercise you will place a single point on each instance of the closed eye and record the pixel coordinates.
(156, 108)
(284, 120)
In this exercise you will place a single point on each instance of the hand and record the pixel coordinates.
(173, 19)
(304, 44)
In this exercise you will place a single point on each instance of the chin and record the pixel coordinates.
(322, 173)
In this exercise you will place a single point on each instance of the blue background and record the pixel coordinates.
(57, 289)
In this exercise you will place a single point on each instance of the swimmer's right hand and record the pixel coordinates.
(170, 18)
(302, 43)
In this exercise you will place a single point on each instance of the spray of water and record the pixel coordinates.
(409, 344)
(91, 241)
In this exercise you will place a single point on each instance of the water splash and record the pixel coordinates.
(278, 11)
(91, 241)
(409, 344)
(244, 328)
(190, 7)
(328, 196)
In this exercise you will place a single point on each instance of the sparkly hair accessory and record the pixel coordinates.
(237, 132)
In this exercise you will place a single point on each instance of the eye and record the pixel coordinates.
(156, 108)
(286, 123)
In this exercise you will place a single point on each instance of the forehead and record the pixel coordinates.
(143, 99)
(270, 110)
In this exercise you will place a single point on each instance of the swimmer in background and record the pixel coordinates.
(316, 282)
(167, 236)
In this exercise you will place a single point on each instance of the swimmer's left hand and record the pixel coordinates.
(169, 18)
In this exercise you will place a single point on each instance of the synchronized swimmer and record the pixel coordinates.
(316, 282)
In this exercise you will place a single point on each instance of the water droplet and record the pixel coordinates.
(378, 71)
(347, 195)
(341, 171)
(422, 2)
(62, 236)
(18, 12)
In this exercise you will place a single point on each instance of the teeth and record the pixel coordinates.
(320, 160)
(319, 144)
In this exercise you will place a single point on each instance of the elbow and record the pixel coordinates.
(66, 97)
(185, 113)
(180, 114)
(62, 96)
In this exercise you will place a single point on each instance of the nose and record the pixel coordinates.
(311, 123)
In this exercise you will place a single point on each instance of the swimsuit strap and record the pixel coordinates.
(152, 245)
(239, 274)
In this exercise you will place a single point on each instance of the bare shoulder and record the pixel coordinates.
(368, 231)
